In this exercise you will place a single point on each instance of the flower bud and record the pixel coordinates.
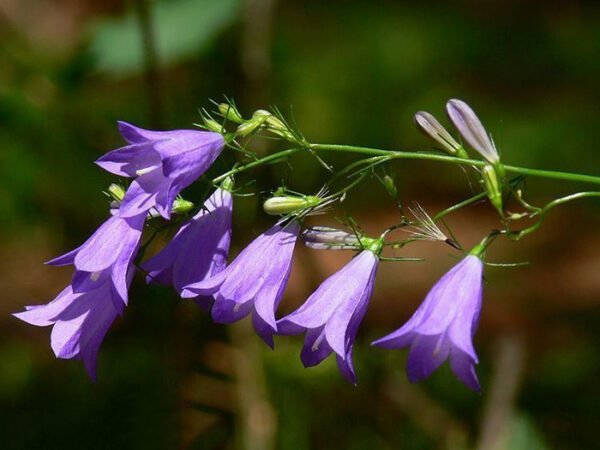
(492, 187)
(212, 125)
(228, 183)
(430, 126)
(471, 129)
(181, 206)
(325, 238)
(258, 118)
(390, 186)
(116, 192)
(285, 204)
(230, 112)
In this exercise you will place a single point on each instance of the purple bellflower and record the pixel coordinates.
(443, 326)
(163, 163)
(84, 311)
(254, 281)
(330, 317)
(198, 250)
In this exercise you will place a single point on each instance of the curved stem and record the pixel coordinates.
(469, 201)
(258, 162)
(462, 204)
(548, 207)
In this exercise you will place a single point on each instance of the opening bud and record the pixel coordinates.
(429, 125)
(326, 238)
(230, 112)
(492, 187)
(470, 128)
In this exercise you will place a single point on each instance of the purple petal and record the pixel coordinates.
(332, 292)
(229, 311)
(102, 248)
(45, 315)
(142, 194)
(206, 242)
(64, 260)
(122, 270)
(81, 327)
(263, 329)
(277, 274)
(346, 366)
(463, 367)
(355, 284)
(136, 135)
(426, 354)
(315, 348)
(128, 161)
(468, 300)
(204, 148)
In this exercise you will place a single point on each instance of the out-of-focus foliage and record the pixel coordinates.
(354, 72)
(184, 28)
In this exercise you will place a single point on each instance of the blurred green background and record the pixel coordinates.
(352, 72)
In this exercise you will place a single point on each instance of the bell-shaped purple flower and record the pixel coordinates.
(84, 311)
(163, 163)
(198, 250)
(443, 326)
(332, 314)
(254, 281)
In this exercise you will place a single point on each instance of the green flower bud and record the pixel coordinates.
(212, 125)
(180, 206)
(492, 187)
(230, 113)
(251, 125)
(285, 204)
(390, 186)
(116, 192)
(227, 184)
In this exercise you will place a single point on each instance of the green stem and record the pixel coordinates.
(453, 159)
(258, 162)
(547, 208)
(462, 204)
(468, 201)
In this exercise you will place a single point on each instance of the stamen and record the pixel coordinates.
(95, 275)
(438, 345)
(144, 171)
(316, 344)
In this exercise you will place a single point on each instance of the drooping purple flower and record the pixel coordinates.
(443, 326)
(253, 282)
(469, 126)
(332, 314)
(163, 163)
(198, 250)
(84, 311)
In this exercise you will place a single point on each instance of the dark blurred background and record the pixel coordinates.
(351, 72)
